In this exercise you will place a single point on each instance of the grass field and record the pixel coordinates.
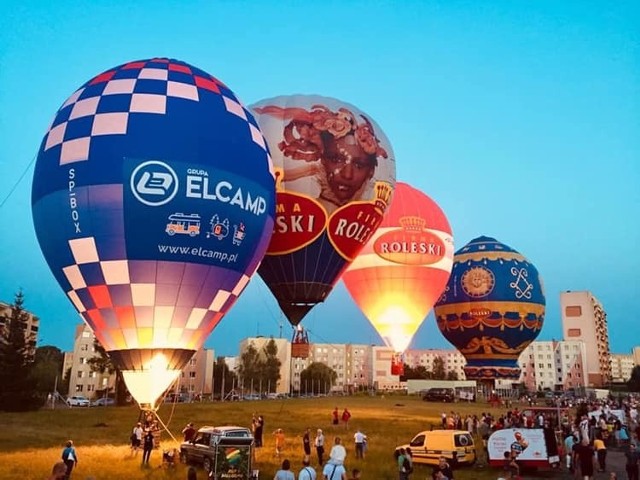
(30, 443)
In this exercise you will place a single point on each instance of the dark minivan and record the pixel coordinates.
(439, 395)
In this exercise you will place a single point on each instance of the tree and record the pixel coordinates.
(16, 361)
(452, 375)
(101, 363)
(439, 372)
(221, 370)
(319, 374)
(260, 368)
(46, 369)
(271, 371)
(634, 380)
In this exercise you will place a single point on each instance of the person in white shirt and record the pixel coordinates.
(359, 439)
(338, 453)
(136, 438)
(334, 472)
(307, 472)
(319, 444)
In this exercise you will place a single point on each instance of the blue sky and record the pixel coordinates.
(521, 119)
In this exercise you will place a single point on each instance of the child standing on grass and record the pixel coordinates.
(279, 434)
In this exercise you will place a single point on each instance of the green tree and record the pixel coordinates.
(250, 366)
(47, 367)
(317, 373)
(271, 369)
(221, 370)
(634, 380)
(18, 391)
(439, 372)
(452, 375)
(101, 363)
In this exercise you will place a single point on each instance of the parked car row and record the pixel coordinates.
(82, 401)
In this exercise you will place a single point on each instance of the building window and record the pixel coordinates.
(574, 332)
(549, 365)
(541, 365)
(80, 374)
(86, 334)
(84, 348)
(90, 388)
(573, 311)
(79, 388)
(192, 374)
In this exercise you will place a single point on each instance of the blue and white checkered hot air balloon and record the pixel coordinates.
(153, 202)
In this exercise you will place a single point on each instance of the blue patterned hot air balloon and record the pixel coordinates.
(492, 308)
(153, 201)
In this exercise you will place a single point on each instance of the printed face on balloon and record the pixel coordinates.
(336, 172)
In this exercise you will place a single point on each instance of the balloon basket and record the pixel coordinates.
(397, 364)
(300, 347)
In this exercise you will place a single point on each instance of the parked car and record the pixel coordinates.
(428, 446)
(203, 448)
(103, 402)
(78, 401)
(440, 395)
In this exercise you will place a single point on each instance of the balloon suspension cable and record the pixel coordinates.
(166, 428)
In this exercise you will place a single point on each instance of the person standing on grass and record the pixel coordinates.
(335, 419)
(319, 444)
(359, 439)
(306, 444)
(147, 446)
(70, 458)
(338, 453)
(346, 415)
(279, 434)
(136, 438)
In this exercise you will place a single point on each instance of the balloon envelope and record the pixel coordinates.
(335, 172)
(153, 201)
(492, 308)
(404, 267)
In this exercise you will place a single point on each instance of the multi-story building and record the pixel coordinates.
(284, 355)
(452, 359)
(381, 377)
(554, 365)
(583, 318)
(82, 380)
(636, 355)
(621, 367)
(196, 377)
(31, 330)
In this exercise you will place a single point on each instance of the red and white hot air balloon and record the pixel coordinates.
(403, 269)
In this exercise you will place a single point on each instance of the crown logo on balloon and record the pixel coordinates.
(382, 191)
(412, 223)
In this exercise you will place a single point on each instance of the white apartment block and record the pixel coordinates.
(82, 380)
(196, 377)
(636, 355)
(583, 318)
(554, 365)
(453, 360)
(621, 367)
(33, 324)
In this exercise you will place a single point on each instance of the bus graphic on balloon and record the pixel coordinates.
(134, 163)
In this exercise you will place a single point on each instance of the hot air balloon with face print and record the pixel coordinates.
(403, 269)
(492, 308)
(153, 202)
(335, 173)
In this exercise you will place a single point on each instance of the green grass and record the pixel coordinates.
(30, 443)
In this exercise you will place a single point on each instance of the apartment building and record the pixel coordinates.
(584, 318)
(33, 324)
(453, 360)
(621, 367)
(554, 365)
(196, 377)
